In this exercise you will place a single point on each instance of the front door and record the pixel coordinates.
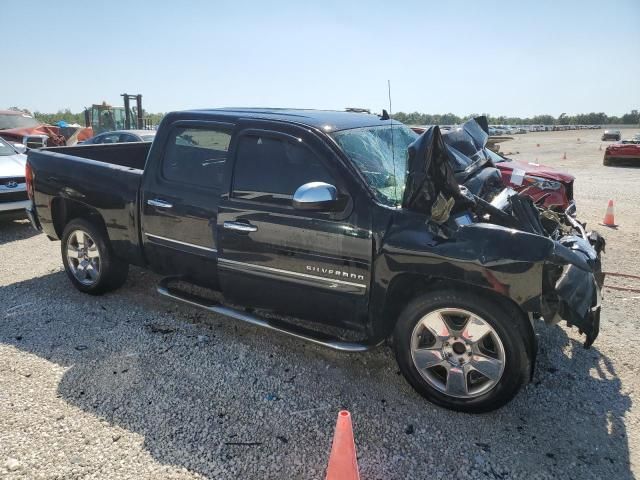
(313, 265)
(180, 201)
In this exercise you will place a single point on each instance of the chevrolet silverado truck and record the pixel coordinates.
(344, 229)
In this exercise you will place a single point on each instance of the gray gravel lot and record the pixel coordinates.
(129, 385)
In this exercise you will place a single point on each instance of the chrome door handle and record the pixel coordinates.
(240, 227)
(156, 202)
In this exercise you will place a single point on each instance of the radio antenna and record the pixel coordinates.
(393, 150)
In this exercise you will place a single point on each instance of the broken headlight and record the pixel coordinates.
(541, 183)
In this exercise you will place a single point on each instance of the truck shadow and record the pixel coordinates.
(14, 227)
(223, 400)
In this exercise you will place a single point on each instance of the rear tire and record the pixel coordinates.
(474, 365)
(89, 260)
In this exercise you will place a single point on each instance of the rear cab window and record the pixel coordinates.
(196, 156)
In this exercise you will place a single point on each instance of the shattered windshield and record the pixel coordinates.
(380, 153)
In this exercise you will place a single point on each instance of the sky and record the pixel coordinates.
(519, 58)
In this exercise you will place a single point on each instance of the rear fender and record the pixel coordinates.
(63, 210)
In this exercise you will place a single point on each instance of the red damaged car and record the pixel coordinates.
(626, 151)
(545, 185)
(483, 171)
(20, 127)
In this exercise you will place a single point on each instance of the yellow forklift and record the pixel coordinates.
(105, 118)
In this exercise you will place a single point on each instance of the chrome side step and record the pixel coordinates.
(292, 330)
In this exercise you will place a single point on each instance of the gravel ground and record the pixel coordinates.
(130, 385)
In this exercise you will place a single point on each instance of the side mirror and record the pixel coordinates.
(318, 196)
(20, 148)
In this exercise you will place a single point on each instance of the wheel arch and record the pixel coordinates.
(405, 287)
(64, 210)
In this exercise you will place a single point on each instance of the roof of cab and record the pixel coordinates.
(326, 120)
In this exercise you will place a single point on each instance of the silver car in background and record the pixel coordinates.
(13, 190)
(122, 136)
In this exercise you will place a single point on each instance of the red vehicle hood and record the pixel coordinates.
(49, 130)
(537, 170)
(19, 133)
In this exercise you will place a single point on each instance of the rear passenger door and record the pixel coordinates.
(180, 197)
(314, 265)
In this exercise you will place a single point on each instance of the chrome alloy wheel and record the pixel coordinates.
(457, 352)
(83, 257)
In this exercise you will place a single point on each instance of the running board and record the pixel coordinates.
(271, 324)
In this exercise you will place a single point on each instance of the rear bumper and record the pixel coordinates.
(621, 158)
(14, 206)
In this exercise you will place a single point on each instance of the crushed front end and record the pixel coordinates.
(572, 283)
(570, 257)
(572, 277)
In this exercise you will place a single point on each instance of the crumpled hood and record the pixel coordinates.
(470, 140)
(57, 136)
(13, 165)
(439, 163)
(53, 133)
(429, 173)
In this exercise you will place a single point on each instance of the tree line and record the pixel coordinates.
(70, 117)
(593, 118)
(415, 118)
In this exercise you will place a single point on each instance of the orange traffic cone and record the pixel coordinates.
(564, 157)
(343, 464)
(608, 220)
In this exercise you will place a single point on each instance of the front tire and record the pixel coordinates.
(462, 351)
(88, 259)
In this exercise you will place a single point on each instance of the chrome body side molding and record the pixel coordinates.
(289, 275)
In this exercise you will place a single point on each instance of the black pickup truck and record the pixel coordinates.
(315, 222)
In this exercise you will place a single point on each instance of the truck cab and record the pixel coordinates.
(200, 208)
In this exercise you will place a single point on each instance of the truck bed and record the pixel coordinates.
(132, 155)
(101, 178)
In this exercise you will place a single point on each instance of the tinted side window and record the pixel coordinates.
(111, 138)
(271, 169)
(127, 137)
(196, 156)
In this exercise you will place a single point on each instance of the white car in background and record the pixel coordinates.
(13, 190)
